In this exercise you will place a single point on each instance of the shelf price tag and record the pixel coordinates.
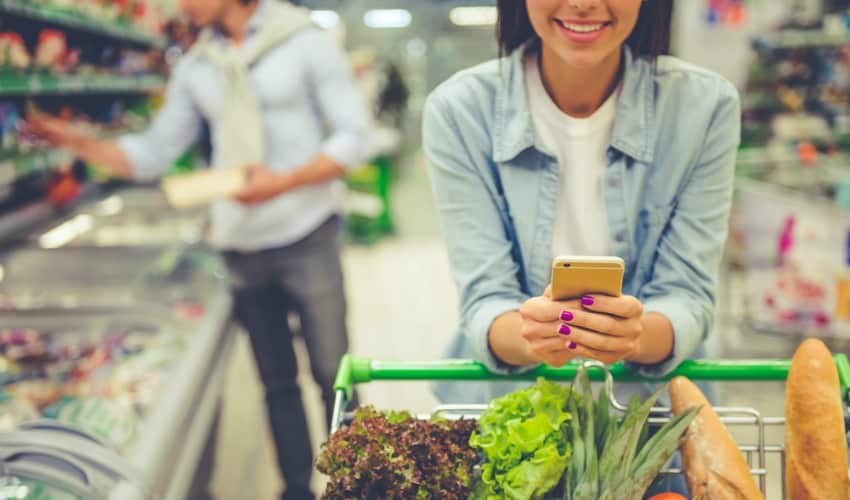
(34, 84)
(7, 172)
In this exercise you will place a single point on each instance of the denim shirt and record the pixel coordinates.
(667, 188)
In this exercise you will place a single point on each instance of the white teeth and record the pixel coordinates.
(582, 28)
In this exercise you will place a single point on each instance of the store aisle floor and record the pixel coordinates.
(402, 305)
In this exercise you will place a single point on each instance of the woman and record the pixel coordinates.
(584, 140)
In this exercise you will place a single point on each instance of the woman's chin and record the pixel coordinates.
(586, 60)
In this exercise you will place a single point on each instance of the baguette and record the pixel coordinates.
(715, 468)
(815, 444)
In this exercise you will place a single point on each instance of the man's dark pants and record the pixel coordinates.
(304, 278)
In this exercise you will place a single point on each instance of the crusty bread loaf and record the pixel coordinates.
(815, 443)
(714, 467)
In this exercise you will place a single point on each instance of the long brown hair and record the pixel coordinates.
(650, 38)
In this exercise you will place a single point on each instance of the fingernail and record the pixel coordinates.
(567, 316)
(573, 346)
(564, 330)
(587, 300)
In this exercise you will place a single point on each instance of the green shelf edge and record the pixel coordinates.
(44, 84)
(81, 22)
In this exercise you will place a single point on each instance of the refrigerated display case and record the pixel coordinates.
(178, 276)
(142, 319)
(133, 378)
(42, 460)
(108, 298)
(138, 216)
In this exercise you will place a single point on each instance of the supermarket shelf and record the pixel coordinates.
(45, 84)
(794, 39)
(15, 167)
(78, 21)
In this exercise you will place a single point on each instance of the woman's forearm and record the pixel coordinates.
(506, 342)
(656, 342)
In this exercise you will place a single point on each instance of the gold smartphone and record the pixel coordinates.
(575, 277)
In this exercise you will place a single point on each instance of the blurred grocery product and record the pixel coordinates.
(51, 50)
(13, 52)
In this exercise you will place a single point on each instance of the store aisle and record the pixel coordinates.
(402, 305)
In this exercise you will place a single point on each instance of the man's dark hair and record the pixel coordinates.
(650, 38)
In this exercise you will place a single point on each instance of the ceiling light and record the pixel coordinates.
(387, 18)
(325, 18)
(473, 16)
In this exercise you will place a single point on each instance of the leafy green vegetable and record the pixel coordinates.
(523, 439)
(395, 456)
(615, 459)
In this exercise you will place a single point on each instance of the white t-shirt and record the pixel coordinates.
(580, 146)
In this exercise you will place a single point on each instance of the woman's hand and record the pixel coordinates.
(607, 329)
(541, 322)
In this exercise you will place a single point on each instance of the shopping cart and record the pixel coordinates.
(354, 371)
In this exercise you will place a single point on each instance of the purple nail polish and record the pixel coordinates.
(564, 330)
(567, 316)
(573, 346)
(587, 300)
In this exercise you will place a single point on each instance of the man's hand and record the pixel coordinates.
(57, 132)
(61, 134)
(263, 184)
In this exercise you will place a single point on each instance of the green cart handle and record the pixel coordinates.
(355, 370)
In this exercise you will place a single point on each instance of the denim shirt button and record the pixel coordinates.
(614, 182)
(620, 237)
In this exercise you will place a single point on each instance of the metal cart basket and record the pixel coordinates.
(354, 371)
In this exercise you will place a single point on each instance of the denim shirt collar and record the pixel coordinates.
(634, 128)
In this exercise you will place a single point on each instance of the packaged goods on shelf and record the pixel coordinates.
(13, 52)
(798, 87)
(78, 376)
(140, 19)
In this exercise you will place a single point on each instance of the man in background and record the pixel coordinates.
(279, 99)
